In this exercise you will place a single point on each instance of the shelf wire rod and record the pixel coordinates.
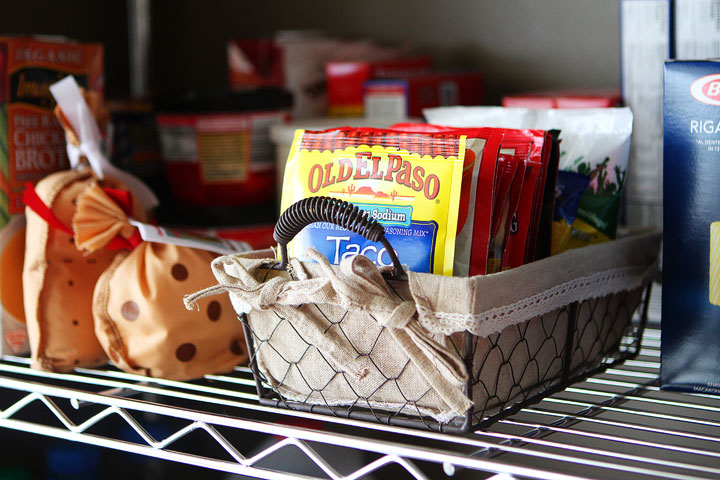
(231, 380)
(651, 334)
(662, 416)
(90, 422)
(542, 432)
(27, 360)
(231, 467)
(650, 388)
(567, 419)
(144, 380)
(641, 364)
(378, 446)
(323, 418)
(656, 462)
(381, 462)
(613, 438)
(618, 383)
(128, 447)
(418, 434)
(142, 387)
(37, 397)
(640, 398)
(234, 467)
(305, 448)
(649, 352)
(629, 373)
(115, 392)
(242, 369)
(408, 433)
(206, 462)
(180, 385)
(13, 358)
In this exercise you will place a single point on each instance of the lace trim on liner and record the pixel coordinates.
(493, 321)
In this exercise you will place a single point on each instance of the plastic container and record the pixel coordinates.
(215, 146)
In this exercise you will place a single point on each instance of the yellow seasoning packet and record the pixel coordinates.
(409, 182)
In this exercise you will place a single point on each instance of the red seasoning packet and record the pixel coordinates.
(542, 232)
(508, 179)
(476, 197)
(529, 145)
(508, 186)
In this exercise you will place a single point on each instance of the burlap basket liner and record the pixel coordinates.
(343, 336)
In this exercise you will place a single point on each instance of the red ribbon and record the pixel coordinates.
(121, 197)
(125, 202)
(33, 200)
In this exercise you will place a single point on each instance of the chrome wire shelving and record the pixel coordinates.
(618, 424)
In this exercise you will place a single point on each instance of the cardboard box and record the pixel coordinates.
(346, 80)
(32, 145)
(408, 96)
(696, 29)
(644, 46)
(691, 252)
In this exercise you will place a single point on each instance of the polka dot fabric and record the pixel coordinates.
(143, 325)
(58, 280)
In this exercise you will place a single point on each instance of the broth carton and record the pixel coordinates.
(691, 211)
(32, 145)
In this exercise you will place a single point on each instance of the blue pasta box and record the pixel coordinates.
(691, 227)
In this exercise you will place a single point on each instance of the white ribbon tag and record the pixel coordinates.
(69, 98)
(155, 234)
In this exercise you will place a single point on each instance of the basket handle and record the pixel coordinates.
(332, 210)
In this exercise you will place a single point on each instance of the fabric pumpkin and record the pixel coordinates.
(143, 325)
(138, 310)
(58, 279)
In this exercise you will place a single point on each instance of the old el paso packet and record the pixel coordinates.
(408, 182)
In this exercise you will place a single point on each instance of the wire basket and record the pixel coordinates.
(511, 357)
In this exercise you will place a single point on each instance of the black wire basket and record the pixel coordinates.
(507, 370)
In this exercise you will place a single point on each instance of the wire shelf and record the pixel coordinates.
(618, 423)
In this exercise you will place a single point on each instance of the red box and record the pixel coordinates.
(564, 99)
(346, 80)
(255, 62)
(408, 96)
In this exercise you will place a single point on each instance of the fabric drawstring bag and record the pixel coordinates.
(58, 279)
(139, 317)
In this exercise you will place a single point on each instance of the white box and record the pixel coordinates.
(697, 29)
(645, 45)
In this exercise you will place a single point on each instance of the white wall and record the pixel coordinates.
(520, 44)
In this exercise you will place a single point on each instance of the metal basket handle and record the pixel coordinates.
(332, 210)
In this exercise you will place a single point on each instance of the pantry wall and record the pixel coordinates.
(518, 44)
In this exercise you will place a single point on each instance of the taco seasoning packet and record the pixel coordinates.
(409, 182)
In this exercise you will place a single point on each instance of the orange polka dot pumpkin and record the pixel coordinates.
(143, 325)
(58, 280)
(137, 304)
